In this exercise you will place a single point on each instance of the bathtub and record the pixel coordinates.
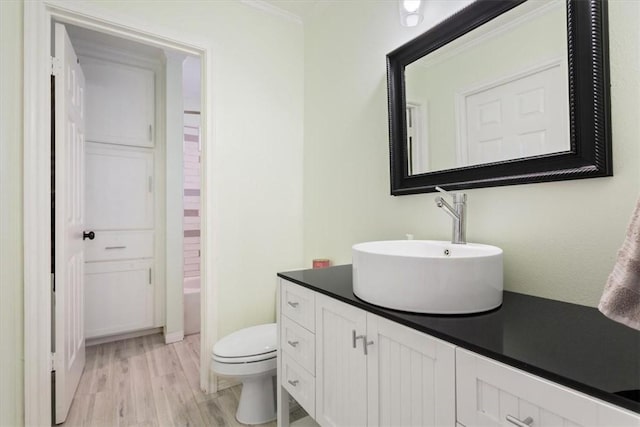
(191, 305)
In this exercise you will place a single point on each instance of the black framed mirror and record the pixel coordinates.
(544, 117)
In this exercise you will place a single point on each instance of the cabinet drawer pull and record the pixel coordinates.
(355, 338)
(293, 304)
(293, 343)
(115, 247)
(516, 422)
(293, 383)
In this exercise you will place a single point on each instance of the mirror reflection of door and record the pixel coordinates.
(417, 138)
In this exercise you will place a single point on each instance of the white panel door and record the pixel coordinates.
(120, 103)
(119, 193)
(521, 117)
(69, 222)
(341, 365)
(411, 377)
(120, 295)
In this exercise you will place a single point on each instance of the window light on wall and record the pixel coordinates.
(410, 12)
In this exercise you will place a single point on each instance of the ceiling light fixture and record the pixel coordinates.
(410, 12)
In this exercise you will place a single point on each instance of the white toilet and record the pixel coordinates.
(250, 356)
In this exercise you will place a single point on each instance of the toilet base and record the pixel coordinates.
(257, 400)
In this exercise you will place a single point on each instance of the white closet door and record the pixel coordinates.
(119, 192)
(69, 223)
(120, 103)
(121, 296)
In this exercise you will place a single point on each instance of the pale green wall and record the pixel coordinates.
(256, 213)
(495, 58)
(11, 300)
(560, 239)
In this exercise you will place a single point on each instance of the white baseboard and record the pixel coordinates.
(173, 337)
(117, 337)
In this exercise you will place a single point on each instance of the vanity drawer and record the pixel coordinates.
(119, 245)
(490, 393)
(297, 303)
(299, 383)
(299, 344)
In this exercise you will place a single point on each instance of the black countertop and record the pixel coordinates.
(566, 343)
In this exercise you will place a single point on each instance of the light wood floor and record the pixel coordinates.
(143, 382)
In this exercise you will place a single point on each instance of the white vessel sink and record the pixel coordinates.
(428, 276)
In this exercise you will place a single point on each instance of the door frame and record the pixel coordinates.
(38, 18)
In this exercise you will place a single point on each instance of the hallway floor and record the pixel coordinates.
(143, 382)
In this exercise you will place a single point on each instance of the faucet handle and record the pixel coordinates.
(442, 190)
(457, 197)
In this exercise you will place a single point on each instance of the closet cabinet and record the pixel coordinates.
(120, 102)
(120, 295)
(123, 287)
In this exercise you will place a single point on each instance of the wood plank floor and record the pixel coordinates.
(144, 382)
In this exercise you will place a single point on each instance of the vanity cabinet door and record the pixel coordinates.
(411, 376)
(341, 367)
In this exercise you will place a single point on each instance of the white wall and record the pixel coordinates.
(560, 239)
(11, 301)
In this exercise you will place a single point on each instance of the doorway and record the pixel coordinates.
(38, 311)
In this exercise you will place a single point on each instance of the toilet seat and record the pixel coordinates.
(244, 359)
(247, 345)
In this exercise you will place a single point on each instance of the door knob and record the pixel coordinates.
(90, 235)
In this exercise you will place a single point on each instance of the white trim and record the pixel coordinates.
(38, 15)
(173, 337)
(118, 337)
(273, 10)
(421, 149)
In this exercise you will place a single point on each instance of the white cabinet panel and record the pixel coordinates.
(118, 245)
(411, 376)
(119, 190)
(490, 393)
(119, 297)
(341, 366)
(120, 103)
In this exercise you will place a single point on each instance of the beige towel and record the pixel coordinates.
(621, 297)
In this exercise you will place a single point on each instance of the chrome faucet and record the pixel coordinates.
(458, 212)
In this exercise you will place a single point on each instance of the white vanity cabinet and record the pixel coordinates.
(490, 393)
(408, 378)
(368, 370)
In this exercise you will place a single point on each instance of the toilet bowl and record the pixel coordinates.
(250, 356)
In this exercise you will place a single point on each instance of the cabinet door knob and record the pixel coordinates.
(293, 343)
(88, 235)
(520, 423)
(293, 304)
(293, 383)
